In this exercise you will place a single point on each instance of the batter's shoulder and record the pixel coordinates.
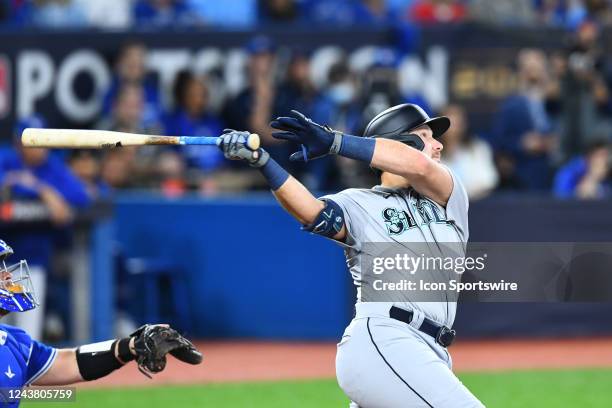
(357, 192)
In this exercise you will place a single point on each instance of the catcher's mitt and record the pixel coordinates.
(153, 342)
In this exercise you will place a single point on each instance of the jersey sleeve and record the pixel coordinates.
(40, 360)
(352, 225)
(457, 207)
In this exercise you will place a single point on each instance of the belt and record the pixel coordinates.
(443, 335)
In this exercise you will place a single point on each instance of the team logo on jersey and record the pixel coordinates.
(397, 221)
(2, 337)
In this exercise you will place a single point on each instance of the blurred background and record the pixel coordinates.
(119, 237)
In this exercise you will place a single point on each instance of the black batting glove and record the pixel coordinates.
(316, 140)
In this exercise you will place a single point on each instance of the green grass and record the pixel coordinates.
(577, 388)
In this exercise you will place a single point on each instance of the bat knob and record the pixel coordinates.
(253, 142)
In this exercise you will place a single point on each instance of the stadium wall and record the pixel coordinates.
(252, 273)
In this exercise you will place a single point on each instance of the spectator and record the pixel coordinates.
(252, 108)
(523, 130)
(587, 176)
(118, 169)
(172, 174)
(297, 90)
(234, 13)
(33, 175)
(372, 12)
(437, 11)
(506, 12)
(192, 117)
(57, 14)
(130, 69)
(599, 11)
(560, 13)
(584, 97)
(127, 112)
(100, 15)
(163, 13)
(336, 12)
(85, 164)
(468, 156)
(338, 107)
(380, 88)
(126, 117)
(278, 11)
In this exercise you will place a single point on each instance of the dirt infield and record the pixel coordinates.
(262, 361)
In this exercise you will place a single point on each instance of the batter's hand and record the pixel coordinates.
(316, 140)
(234, 145)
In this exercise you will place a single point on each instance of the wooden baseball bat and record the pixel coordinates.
(101, 139)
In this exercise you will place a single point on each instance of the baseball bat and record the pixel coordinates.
(100, 139)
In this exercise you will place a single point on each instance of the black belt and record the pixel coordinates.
(444, 336)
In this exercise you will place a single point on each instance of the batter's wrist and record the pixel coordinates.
(357, 148)
(261, 160)
(274, 174)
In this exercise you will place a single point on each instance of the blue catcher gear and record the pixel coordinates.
(16, 289)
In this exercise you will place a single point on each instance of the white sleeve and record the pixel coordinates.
(457, 207)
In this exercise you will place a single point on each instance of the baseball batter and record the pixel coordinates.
(393, 354)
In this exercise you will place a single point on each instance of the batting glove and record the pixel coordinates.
(233, 144)
(316, 140)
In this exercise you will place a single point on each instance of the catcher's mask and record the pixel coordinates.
(16, 289)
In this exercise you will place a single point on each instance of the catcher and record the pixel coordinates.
(24, 361)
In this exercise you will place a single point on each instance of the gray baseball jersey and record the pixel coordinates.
(404, 217)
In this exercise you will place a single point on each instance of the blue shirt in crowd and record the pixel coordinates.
(152, 102)
(22, 361)
(569, 176)
(180, 123)
(518, 116)
(37, 244)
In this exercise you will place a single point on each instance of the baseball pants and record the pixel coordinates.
(384, 363)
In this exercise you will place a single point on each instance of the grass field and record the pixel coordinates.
(571, 388)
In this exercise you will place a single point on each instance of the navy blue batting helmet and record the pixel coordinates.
(397, 122)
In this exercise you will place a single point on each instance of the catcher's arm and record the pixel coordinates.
(148, 345)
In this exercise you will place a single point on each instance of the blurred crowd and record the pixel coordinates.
(551, 135)
(154, 14)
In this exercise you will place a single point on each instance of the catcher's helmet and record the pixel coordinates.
(16, 289)
(397, 122)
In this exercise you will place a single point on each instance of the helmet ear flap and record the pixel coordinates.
(413, 141)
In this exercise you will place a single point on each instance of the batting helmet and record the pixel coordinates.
(397, 122)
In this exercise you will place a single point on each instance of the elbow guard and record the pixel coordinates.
(328, 222)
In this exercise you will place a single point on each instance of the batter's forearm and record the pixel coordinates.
(298, 201)
(385, 154)
(290, 193)
(397, 158)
